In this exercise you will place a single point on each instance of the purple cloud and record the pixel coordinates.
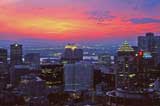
(100, 15)
(144, 20)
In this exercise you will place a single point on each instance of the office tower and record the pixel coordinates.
(16, 54)
(53, 75)
(134, 79)
(148, 42)
(78, 77)
(32, 59)
(72, 53)
(133, 70)
(4, 74)
(3, 56)
(78, 54)
(157, 57)
(125, 57)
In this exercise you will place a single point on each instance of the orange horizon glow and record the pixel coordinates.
(66, 23)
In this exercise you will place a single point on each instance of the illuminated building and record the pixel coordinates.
(125, 49)
(72, 53)
(52, 75)
(78, 77)
(71, 46)
(3, 55)
(16, 54)
(150, 43)
(133, 78)
(125, 57)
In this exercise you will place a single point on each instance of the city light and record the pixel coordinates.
(79, 52)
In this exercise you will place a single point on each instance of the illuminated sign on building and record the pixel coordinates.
(147, 55)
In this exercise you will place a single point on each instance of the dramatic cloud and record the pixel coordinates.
(77, 19)
(100, 15)
(144, 20)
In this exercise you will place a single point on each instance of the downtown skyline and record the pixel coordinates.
(78, 19)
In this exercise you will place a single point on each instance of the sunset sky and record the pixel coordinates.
(78, 19)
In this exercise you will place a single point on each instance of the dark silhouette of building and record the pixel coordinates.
(147, 43)
(3, 55)
(16, 53)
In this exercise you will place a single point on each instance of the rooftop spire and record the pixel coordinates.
(125, 47)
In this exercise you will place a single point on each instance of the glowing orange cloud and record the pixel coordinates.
(64, 23)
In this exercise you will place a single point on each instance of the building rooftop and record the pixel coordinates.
(71, 46)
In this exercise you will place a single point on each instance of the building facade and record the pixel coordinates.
(78, 77)
(72, 53)
(3, 55)
(16, 54)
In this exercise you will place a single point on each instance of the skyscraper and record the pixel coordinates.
(78, 54)
(16, 53)
(3, 55)
(78, 76)
(72, 53)
(148, 42)
(125, 64)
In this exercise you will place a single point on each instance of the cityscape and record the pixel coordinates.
(77, 77)
(79, 53)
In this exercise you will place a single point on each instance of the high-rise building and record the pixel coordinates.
(78, 54)
(52, 74)
(72, 53)
(125, 57)
(148, 42)
(78, 77)
(3, 55)
(134, 78)
(16, 54)
(4, 74)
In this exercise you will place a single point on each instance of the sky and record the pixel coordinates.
(78, 19)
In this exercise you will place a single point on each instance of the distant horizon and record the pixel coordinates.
(83, 42)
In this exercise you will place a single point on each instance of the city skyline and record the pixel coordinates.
(78, 20)
(79, 53)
